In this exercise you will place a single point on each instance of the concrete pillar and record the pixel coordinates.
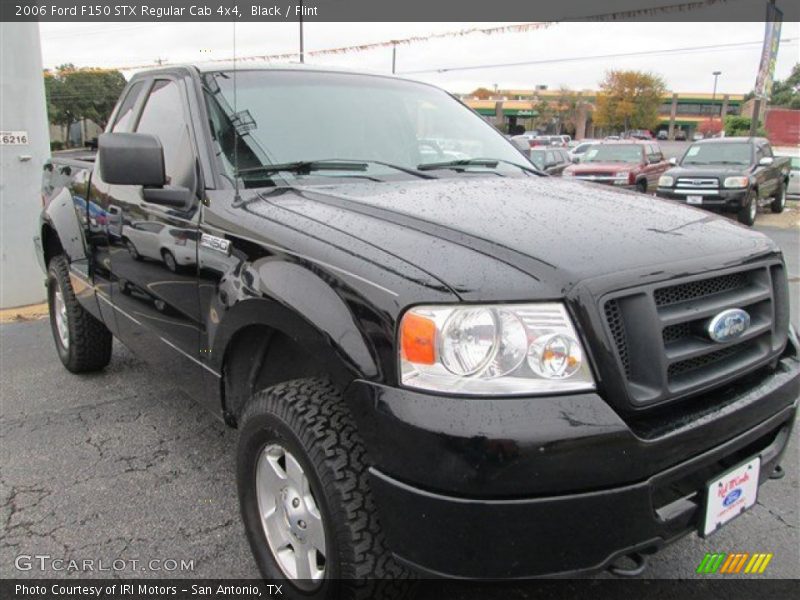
(22, 99)
(724, 110)
(673, 111)
(499, 116)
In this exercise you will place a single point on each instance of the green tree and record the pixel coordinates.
(74, 94)
(786, 93)
(629, 100)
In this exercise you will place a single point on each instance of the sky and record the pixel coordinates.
(130, 44)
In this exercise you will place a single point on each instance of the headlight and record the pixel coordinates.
(666, 181)
(492, 350)
(736, 182)
(623, 178)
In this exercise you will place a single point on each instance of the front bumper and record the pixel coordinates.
(518, 488)
(723, 200)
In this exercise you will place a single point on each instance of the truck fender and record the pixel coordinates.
(289, 298)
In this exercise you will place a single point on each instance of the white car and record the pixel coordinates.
(577, 151)
(173, 246)
(793, 189)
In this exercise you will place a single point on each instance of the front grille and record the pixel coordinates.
(659, 333)
(698, 183)
(697, 289)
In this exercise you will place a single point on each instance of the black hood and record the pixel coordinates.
(537, 236)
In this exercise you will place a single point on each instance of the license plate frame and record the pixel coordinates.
(694, 200)
(729, 495)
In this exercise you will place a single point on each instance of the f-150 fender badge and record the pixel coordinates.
(212, 242)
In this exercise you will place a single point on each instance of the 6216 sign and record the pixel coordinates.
(13, 138)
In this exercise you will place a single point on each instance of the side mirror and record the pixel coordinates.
(174, 196)
(673, 161)
(765, 162)
(131, 159)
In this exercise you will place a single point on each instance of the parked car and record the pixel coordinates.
(680, 135)
(175, 247)
(628, 164)
(453, 368)
(793, 186)
(639, 134)
(611, 138)
(662, 134)
(732, 174)
(577, 151)
(697, 137)
(550, 160)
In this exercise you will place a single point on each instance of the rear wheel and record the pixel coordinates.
(83, 343)
(169, 260)
(779, 201)
(641, 186)
(305, 498)
(132, 250)
(749, 211)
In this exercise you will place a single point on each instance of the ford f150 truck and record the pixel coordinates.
(729, 175)
(633, 165)
(440, 367)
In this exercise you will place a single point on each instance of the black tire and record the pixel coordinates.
(169, 260)
(132, 250)
(779, 201)
(309, 419)
(89, 340)
(641, 186)
(747, 214)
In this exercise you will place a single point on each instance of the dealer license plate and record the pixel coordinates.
(694, 199)
(731, 494)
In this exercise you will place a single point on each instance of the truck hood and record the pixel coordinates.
(531, 237)
(714, 171)
(605, 167)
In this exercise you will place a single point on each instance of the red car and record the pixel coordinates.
(629, 164)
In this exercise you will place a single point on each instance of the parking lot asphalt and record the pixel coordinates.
(120, 465)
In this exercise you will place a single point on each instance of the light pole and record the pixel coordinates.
(716, 75)
(302, 53)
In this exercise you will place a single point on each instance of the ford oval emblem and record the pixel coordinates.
(728, 325)
(732, 497)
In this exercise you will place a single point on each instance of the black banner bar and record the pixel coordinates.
(388, 10)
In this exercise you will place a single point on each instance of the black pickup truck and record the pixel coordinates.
(437, 366)
(729, 175)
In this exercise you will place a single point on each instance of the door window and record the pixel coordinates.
(164, 117)
(125, 115)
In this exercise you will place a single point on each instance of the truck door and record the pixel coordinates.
(154, 257)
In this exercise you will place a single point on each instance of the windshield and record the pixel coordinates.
(718, 154)
(629, 153)
(279, 117)
(537, 158)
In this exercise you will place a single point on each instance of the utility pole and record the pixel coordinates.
(394, 56)
(716, 75)
(302, 54)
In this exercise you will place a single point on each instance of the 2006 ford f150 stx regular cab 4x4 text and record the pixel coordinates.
(439, 361)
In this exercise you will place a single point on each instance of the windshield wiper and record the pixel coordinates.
(727, 162)
(490, 163)
(305, 167)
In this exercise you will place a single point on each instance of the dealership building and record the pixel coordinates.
(678, 110)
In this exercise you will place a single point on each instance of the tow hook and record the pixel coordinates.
(777, 473)
(640, 564)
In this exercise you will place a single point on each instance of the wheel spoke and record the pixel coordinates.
(295, 473)
(302, 558)
(315, 532)
(277, 530)
(271, 477)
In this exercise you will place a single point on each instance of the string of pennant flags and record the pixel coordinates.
(502, 29)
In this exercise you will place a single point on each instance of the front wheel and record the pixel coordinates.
(749, 211)
(305, 498)
(779, 201)
(641, 186)
(83, 343)
(169, 260)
